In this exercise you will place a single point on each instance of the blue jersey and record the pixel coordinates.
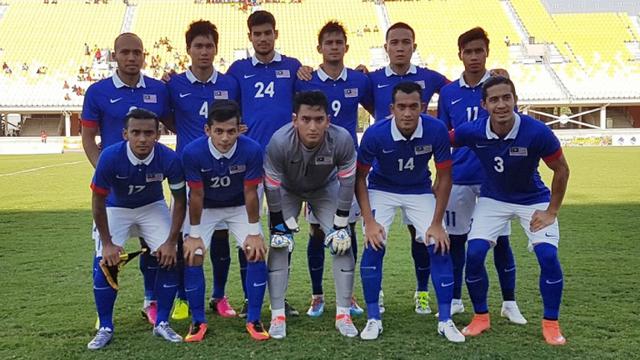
(344, 94)
(108, 101)
(511, 164)
(191, 99)
(222, 176)
(460, 103)
(384, 80)
(130, 182)
(400, 165)
(266, 94)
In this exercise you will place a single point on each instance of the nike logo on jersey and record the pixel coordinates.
(446, 285)
(261, 284)
(553, 282)
(481, 146)
(249, 76)
(121, 177)
(380, 86)
(456, 101)
(205, 170)
(385, 151)
(184, 95)
(169, 286)
(113, 101)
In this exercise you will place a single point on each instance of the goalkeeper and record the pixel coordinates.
(310, 160)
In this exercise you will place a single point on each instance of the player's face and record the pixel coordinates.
(142, 136)
(311, 122)
(202, 51)
(333, 47)
(406, 110)
(129, 55)
(263, 38)
(223, 134)
(474, 56)
(499, 104)
(400, 46)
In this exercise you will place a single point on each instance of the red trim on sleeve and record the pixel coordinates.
(362, 166)
(552, 157)
(89, 123)
(452, 136)
(274, 183)
(98, 190)
(195, 184)
(444, 165)
(251, 182)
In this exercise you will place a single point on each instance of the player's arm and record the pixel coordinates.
(89, 143)
(374, 234)
(558, 164)
(169, 122)
(441, 190)
(254, 246)
(305, 73)
(166, 253)
(193, 245)
(110, 252)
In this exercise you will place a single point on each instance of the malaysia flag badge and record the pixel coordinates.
(351, 93)
(150, 98)
(283, 74)
(221, 95)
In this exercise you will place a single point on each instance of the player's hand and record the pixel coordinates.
(540, 220)
(362, 68)
(304, 73)
(243, 128)
(167, 255)
(192, 247)
(254, 248)
(111, 254)
(374, 235)
(167, 76)
(437, 233)
(499, 72)
(281, 237)
(338, 241)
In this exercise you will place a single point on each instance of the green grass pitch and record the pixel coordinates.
(47, 309)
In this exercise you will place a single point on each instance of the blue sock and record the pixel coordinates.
(442, 277)
(194, 287)
(371, 275)
(422, 264)
(166, 287)
(354, 241)
(242, 261)
(506, 267)
(149, 269)
(104, 294)
(315, 261)
(221, 261)
(477, 278)
(551, 280)
(256, 286)
(458, 253)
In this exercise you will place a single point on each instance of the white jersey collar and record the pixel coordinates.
(463, 83)
(397, 135)
(217, 154)
(277, 57)
(389, 72)
(511, 135)
(324, 76)
(193, 79)
(118, 83)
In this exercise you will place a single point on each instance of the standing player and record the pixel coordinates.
(314, 161)
(459, 103)
(509, 147)
(223, 170)
(127, 198)
(192, 93)
(105, 105)
(345, 90)
(400, 46)
(399, 150)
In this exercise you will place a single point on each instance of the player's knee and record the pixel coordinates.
(316, 232)
(477, 252)
(547, 255)
(221, 235)
(196, 260)
(278, 259)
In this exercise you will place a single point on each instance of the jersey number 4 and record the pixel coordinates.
(264, 90)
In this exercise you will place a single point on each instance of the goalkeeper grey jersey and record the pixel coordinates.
(288, 163)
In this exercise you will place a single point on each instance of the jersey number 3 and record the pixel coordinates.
(499, 166)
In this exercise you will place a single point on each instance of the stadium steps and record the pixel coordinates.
(129, 18)
(515, 20)
(33, 126)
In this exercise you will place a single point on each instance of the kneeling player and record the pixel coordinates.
(510, 146)
(223, 171)
(127, 194)
(399, 150)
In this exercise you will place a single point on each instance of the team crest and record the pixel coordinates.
(421, 83)
(518, 151)
(422, 149)
(283, 74)
(235, 169)
(324, 160)
(221, 95)
(351, 93)
(155, 177)
(150, 98)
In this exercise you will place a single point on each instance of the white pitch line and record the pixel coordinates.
(40, 168)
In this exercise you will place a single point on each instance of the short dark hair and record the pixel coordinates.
(400, 25)
(407, 87)
(261, 17)
(141, 114)
(222, 111)
(201, 28)
(332, 26)
(310, 98)
(497, 80)
(477, 33)
(115, 42)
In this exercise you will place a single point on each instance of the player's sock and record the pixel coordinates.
(343, 272)
(476, 274)
(551, 280)
(371, 275)
(149, 269)
(315, 260)
(242, 261)
(256, 286)
(194, 287)
(166, 286)
(104, 294)
(221, 261)
(442, 277)
(457, 251)
(506, 267)
(422, 264)
(354, 241)
(182, 295)
(278, 276)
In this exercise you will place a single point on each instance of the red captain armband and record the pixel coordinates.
(89, 123)
(444, 165)
(552, 157)
(195, 184)
(361, 166)
(253, 182)
(98, 190)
